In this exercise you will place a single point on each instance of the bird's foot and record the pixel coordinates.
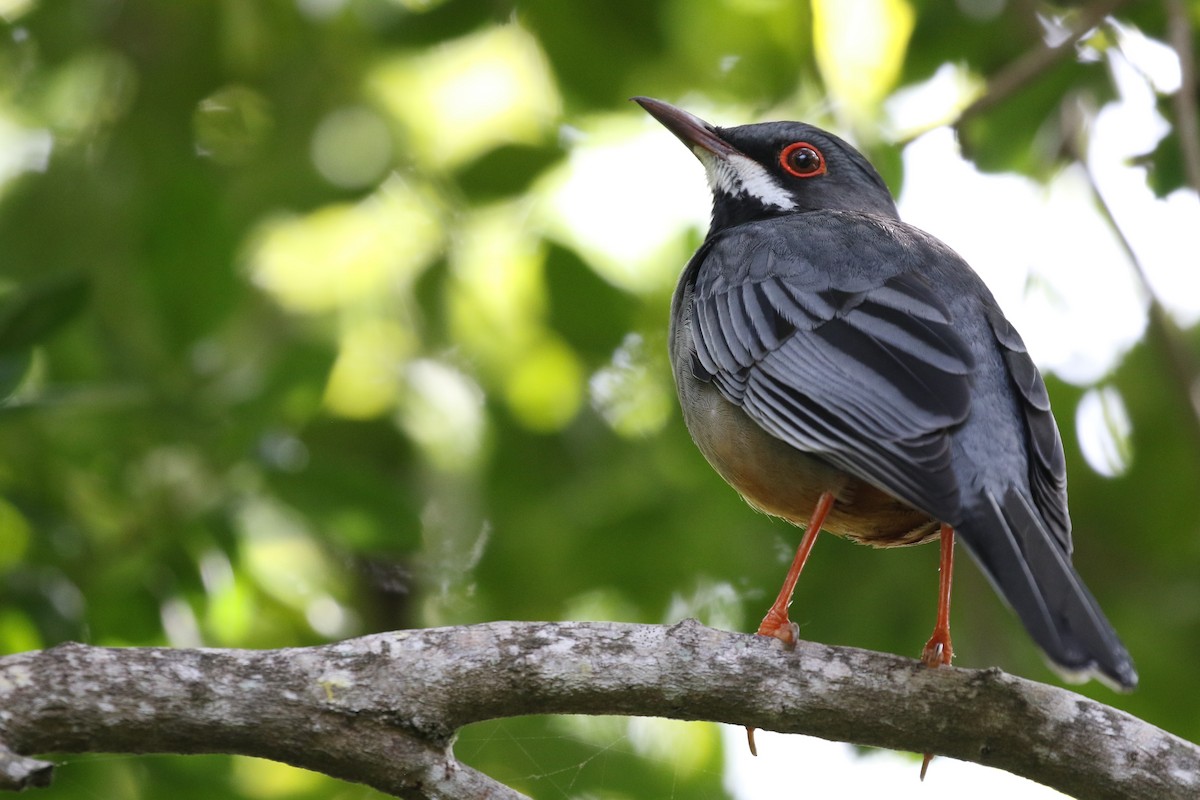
(777, 624)
(937, 653)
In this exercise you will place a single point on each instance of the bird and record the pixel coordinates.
(847, 371)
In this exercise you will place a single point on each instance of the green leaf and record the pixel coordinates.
(37, 311)
(13, 368)
(1024, 133)
(505, 171)
(1164, 164)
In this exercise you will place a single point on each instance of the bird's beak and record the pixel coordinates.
(694, 132)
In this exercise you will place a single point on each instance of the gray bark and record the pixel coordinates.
(383, 709)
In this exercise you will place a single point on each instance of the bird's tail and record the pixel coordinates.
(1030, 569)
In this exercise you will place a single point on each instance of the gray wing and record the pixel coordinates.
(860, 367)
(1047, 464)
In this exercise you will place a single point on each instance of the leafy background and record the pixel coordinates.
(314, 323)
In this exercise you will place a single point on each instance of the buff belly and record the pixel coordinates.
(780, 480)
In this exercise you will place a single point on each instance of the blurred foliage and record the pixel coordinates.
(321, 317)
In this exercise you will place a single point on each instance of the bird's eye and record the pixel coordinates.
(802, 160)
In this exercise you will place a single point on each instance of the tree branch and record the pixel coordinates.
(383, 709)
(1033, 63)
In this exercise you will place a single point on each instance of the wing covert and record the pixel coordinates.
(865, 371)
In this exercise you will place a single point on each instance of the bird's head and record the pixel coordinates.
(775, 168)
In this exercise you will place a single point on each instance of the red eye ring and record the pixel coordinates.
(803, 160)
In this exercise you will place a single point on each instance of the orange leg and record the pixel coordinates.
(776, 622)
(938, 650)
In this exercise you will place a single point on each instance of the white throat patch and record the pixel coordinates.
(736, 174)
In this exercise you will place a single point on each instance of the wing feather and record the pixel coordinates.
(867, 373)
(1048, 464)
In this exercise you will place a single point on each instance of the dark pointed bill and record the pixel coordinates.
(691, 130)
(730, 172)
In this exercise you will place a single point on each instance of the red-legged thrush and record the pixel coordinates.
(844, 370)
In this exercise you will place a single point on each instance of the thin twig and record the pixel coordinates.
(1027, 68)
(1184, 369)
(1187, 123)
